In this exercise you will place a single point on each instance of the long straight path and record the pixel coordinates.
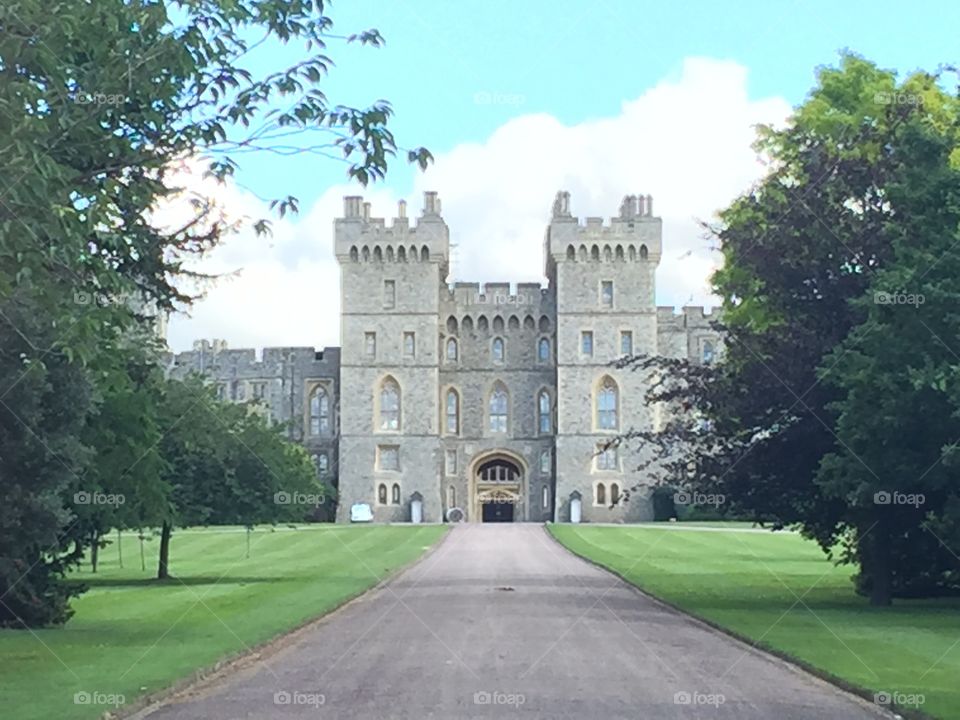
(500, 621)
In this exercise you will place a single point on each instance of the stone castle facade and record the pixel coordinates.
(476, 403)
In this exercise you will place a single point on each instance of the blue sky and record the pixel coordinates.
(518, 99)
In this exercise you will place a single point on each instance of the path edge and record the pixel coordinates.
(860, 694)
(206, 675)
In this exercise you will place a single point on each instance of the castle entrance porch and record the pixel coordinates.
(497, 488)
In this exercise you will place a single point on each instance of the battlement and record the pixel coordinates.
(360, 237)
(689, 316)
(215, 354)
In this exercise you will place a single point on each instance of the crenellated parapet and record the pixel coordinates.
(499, 306)
(361, 238)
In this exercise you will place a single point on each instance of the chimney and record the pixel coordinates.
(402, 209)
(351, 206)
(431, 203)
(366, 211)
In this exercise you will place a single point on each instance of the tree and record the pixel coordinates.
(801, 252)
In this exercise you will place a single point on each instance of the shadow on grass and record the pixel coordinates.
(190, 580)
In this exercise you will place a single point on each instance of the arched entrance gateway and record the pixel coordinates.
(497, 488)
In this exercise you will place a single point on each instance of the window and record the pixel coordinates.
(319, 411)
(451, 349)
(545, 497)
(323, 463)
(451, 496)
(626, 342)
(239, 391)
(586, 342)
(389, 294)
(409, 344)
(221, 391)
(381, 494)
(453, 412)
(543, 404)
(606, 293)
(395, 494)
(607, 405)
(614, 494)
(388, 458)
(707, 352)
(606, 458)
(498, 350)
(498, 409)
(545, 462)
(389, 405)
(259, 390)
(451, 462)
(543, 350)
(600, 495)
(370, 344)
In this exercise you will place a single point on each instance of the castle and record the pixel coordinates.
(476, 403)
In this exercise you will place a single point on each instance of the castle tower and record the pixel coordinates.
(603, 277)
(391, 279)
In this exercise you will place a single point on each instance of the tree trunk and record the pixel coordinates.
(880, 573)
(163, 572)
(94, 550)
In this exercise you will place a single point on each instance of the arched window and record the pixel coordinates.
(354, 255)
(482, 323)
(571, 253)
(452, 325)
(451, 496)
(545, 497)
(453, 412)
(601, 495)
(395, 494)
(543, 349)
(497, 350)
(619, 252)
(614, 494)
(389, 405)
(498, 324)
(607, 405)
(451, 349)
(401, 254)
(643, 252)
(499, 403)
(323, 463)
(319, 411)
(377, 254)
(382, 494)
(707, 352)
(595, 253)
(425, 254)
(543, 404)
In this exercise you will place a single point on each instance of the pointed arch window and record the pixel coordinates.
(614, 494)
(452, 412)
(607, 405)
(389, 405)
(497, 350)
(543, 407)
(600, 497)
(543, 350)
(707, 352)
(381, 494)
(451, 349)
(395, 494)
(499, 402)
(319, 411)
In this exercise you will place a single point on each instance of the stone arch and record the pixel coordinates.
(482, 323)
(389, 254)
(631, 253)
(529, 323)
(401, 254)
(467, 323)
(365, 254)
(452, 325)
(606, 404)
(618, 254)
(643, 252)
(498, 324)
(377, 254)
(582, 253)
(595, 252)
(571, 253)
(354, 255)
(424, 254)
(413, 253)
(544, 324)
(607, 254)
(513, 323)
(513, 490)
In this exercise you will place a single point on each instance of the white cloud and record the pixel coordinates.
(686, 141)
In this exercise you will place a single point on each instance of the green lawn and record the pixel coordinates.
(131, 635)
(740, 580)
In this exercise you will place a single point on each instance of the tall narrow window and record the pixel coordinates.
(409, 344)
(319, 411)
(607, 405)
(381, 494)
(601, 495)
(543, 350)
(498, 409)
(370, 344)
(586, 342)
(626, 342)
(389, 405)
(389, 294)
(451, 349)
(606, 293)
(453, 412)
(498, 350)
(543, 403)
(451, 462)
(545, 497)
(395, 494)
(545, 462)
(707, 352)
(451, 497)
(614, 494)
(323, 463)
